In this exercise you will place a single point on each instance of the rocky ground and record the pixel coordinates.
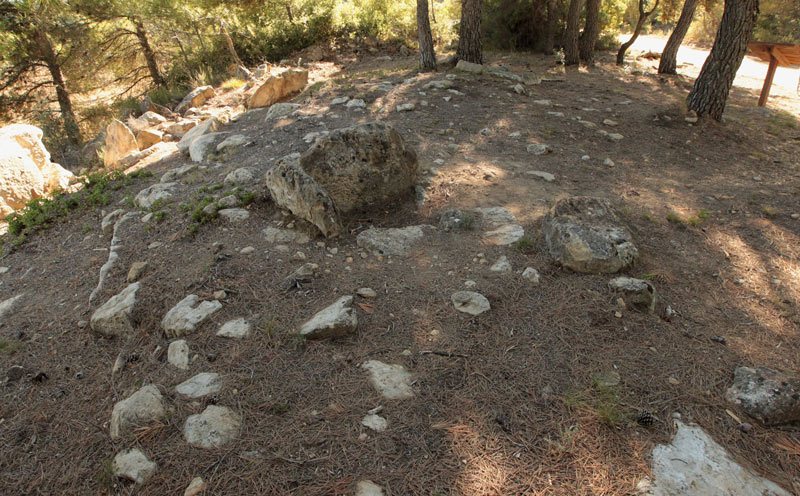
(192, 335)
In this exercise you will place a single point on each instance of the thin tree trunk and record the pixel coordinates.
(180, 46)
(591, 31)
(669, 57)
(710, 90)
(470, 45)
(550, 29)
(433, 12)
(571, 51)
(232, 50)
(48, 54)
(289, 12)
(427, 57)
(643, 15)
(149, 55)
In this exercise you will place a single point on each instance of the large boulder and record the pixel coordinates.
(120, 142)
(195, 98)
(766, 394)
(206, 127)
(26, 171)
(350, 170)
(279, 84)
(586, 235)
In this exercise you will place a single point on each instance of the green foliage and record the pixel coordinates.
(778, 21)
(524, 245)
(9, 347)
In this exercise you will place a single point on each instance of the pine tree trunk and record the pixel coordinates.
(590, 31)
(550, 30)
(149, 55)
(571, 50)
(669, 57)
(240, 67)
(48, 55)
(470, 45)
(710, 90)
(427, 57)
(643, 15)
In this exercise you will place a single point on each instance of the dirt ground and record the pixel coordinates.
(711, 209)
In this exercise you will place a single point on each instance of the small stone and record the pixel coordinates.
(235, 329)
(195, 487)
(113, 318)
(234, 214)
(586, 158)
(757, 178)
(356, 103)
(608, 162)
(543, 102)
(154, 245)
(247, 250)
(366, 293)
(502, 265)
(368, 488)
(375, 422)
(545, 176)
(187, 314)
(200, 385)
(136, 270)
(609, 122)
(340, 100)
(673, 380)
(178, 354)
(406, 107)
(140, 408)
(531, 275)
(132, 464)
(220, 294)
(615, 136)
(393, 382)
(470, 302)
(766, 394)
(336, 320)
(470, 284)
(298, 256)
(745, 427)
(691, 117)
(214, 428)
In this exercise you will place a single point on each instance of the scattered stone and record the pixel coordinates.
(366, 293)
(231, 143)
(214, 428)
(556, 114)
(766, 394)
(368, 488)
(531, 274)
(519, 89)
(148, 137)
(236, 329)
(609, 122)
(132, 464)
(693, 463)
(195, 487)
(208, 126)
(375, 422)
(107, 224)
(275, 235)
(586, 158)
(180, 128)
(543, 102)
(340, 100)
(178, 354)
(608, 162)
(157, 192)
(615, 137)
(502, 265)
(504, 235)
(545, 176)
(334, 321)
(175, 174)
(142, 407)
(390, 241)
(243, 176)
(120, 142)
(473, 68)
(279, 84)
(539, 149)
(406, 107)
(351, 169)
(393, 382)
(691, 117)
(470, 302)
(280, 110)
(586, 235)
(136, 271)
(195, 98)
(202, 147)
(301, 275)
(438, 85)
(184, 317)
(113, 318)
(234, 214)
(202, 384)
(639, 293)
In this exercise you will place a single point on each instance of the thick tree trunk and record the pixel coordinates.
(571, 50)
(669, 57)
(591, 31)
(710, 90)
(427, 57)
(550, 29)
(149, 55)
(470, 45)
(48, 55)
(643, 15)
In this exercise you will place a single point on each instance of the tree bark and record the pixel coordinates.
(427, 57)
(571, 50)
(48, 55)
(643, 15)
(550, 29)
(470, 45)
(240, 67)
(149, 55)
(710, 90)
(669, 57)
(591, 31)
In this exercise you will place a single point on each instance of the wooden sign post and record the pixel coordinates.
(777, 54)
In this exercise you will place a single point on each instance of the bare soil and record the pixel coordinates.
(522, 413)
